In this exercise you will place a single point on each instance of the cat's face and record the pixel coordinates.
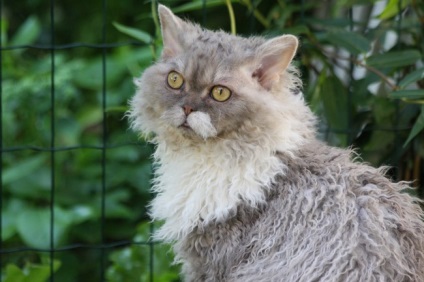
(199, 92)
(211, 84)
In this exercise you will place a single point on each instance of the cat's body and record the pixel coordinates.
(314, 227)
(246, 191)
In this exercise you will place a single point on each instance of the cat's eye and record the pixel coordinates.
(175, 80)
(220, 93)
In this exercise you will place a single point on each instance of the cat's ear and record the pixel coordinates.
(273, 58)
(171, 26)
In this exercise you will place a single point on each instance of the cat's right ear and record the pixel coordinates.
(171, 27)
(274, 57)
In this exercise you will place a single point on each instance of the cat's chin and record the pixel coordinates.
(189, 133)
(185, 125)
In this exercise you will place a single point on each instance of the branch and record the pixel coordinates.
(357, 62)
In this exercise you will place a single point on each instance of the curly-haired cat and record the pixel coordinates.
(246, 191)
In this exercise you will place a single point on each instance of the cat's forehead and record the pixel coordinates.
(218, 44)
(216, 54)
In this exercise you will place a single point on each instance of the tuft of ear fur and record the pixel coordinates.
(171, 27)
(273, 58)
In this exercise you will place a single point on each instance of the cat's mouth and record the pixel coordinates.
(198, 123)
(185, 125)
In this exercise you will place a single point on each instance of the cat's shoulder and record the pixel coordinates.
(321, 165)
(316, 156)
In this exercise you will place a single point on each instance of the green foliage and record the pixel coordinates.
(394, 59)
(27, 165)
(30, 272)
(27, 33)
(137, 34)
(133, 263)
(362, 76)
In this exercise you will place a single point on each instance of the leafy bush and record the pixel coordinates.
(363, 75)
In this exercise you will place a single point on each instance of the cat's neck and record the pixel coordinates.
(198, 185)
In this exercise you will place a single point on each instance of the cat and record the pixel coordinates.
(245, 189)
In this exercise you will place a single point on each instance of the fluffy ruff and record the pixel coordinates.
(204, 185)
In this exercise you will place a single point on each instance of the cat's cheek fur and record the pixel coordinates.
(174, 116)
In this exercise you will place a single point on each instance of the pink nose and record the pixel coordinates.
(187, 110)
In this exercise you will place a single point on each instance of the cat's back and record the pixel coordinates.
(333, 219)
(326, 218)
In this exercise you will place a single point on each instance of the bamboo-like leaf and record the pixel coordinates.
(328, 23)
(412, 77)
(392, 9)
(417, 128)
(394, 59)
(334, 97)
(351, 41)
(198, 5)
(133, 32)
(296, 30)
(408, 94)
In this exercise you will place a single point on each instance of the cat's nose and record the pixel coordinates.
(187, 110)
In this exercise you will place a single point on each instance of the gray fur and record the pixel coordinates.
(248, 193)
(326, 219)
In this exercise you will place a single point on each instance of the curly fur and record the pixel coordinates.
(247, 193)
(325, 219)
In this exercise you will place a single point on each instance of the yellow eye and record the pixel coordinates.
(175, 80)
(220, 93)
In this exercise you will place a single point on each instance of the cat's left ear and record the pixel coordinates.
(172, 27)
(273, 58)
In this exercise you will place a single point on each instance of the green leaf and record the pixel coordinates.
(4, 27)
(198, 5)
(329, 23)
(115, 207)
(130, 263)
(417, 128)
(117, 109)
(81, 213)
(334, 97)
(412, 77)
(91, 76)
(30, 272)
(351, 41)
(408, 94)
(296, 30)
(13, 274)
(350, 3)
(27, 33)
(11, 209)
(33, 225)
(392, 8)
(22, 169)
(394, 59)
(133, 32)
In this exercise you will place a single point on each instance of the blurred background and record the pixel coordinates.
(75, 180)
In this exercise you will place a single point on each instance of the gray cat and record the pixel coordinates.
(246, 191)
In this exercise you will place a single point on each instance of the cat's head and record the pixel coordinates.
(210, 86)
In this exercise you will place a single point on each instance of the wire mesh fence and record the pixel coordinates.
(74, 180)
(46, 251)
